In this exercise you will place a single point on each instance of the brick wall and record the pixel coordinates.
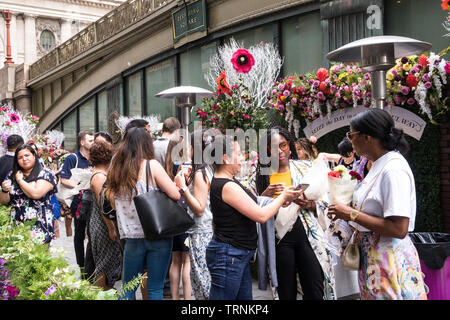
(445, 175)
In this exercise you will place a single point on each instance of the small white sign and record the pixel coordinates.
(411, 123)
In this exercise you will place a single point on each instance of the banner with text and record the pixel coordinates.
(411, 123)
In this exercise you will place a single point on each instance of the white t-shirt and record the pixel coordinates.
(393, 193)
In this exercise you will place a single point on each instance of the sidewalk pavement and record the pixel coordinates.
(67, 243)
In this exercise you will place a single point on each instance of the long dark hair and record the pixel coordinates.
(379, 124)
(16, 167)
(123, 173)
(263, 181)
(168, 162)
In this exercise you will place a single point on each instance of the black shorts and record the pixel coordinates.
(178, 243)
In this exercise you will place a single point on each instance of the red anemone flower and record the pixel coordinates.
(14, 117)
(242, 61)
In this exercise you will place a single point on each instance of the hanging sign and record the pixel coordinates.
(411, 123)
(189, 19)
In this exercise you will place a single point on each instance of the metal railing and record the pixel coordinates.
(107, 26)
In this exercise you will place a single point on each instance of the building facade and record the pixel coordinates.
(35, 28)
(119, 62)
(116, 65)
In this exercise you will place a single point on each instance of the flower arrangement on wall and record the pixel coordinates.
(50, 148)
(231, 108)
(14, 122)
(414, 80)
(241, 78)
(154, 123)
(49, 144)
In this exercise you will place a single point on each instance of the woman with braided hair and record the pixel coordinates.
(301, 250)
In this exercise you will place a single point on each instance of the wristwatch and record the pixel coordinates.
(183, 190)
(353, 215)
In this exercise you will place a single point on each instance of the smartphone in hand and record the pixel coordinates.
(302, 186)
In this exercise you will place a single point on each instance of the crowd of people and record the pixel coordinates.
(232, 222)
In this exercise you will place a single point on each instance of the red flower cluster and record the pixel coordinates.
(411, 81)
(355, 175)
(335, 174)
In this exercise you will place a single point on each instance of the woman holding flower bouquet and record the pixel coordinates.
(301, 249)
(384, 210)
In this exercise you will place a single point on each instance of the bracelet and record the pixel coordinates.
(353, 215)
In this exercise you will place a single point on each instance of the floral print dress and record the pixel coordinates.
(23, 208)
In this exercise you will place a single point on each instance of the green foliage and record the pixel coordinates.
(43, 273)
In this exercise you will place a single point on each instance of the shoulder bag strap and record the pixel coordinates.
(149, 173)
(76, 157)
(95, 173)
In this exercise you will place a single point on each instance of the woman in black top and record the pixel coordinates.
(235, 211)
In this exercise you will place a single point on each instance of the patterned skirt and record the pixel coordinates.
(390, 269)
(200, 277)
(106, 253)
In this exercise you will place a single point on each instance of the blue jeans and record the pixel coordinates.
(155, 255)
(230, 271)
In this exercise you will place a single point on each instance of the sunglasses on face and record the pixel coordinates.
(350, 134)
(284, 146)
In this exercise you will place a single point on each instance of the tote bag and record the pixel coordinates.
(160, 216)
(64, 194)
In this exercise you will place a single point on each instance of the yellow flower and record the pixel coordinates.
(390, 76)
(341, 169)
(407, 67)
(282, 98)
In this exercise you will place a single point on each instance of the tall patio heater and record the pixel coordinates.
(185, 98)
(377, 55)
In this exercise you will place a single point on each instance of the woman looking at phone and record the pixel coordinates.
(301, 250)
(235, 210)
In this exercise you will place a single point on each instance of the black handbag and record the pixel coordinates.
(160, 216)
(86, 205)
(105, 206)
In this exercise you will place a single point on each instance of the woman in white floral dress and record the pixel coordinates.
(27, 189)
(196, 194)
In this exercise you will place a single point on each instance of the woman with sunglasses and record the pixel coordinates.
(383, 212)
(27, 189)
(301, 250)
